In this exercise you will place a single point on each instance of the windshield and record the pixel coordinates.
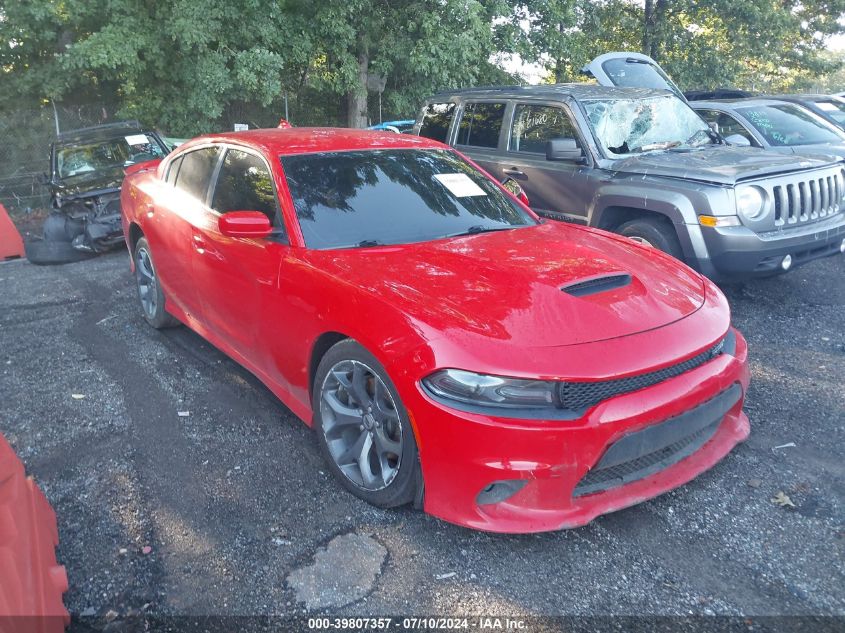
(833, 108)
(374, 197)
(80, 159)
(632, 126)
(787, 124)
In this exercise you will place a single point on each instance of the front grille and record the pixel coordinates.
(807, 200)
(579, 396)
(657, 447)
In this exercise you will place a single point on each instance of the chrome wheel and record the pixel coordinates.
(147, 284)
(361, 424)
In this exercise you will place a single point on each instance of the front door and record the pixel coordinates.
(557, 189)
(238, 277)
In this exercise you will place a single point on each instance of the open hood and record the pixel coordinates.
(630, 70)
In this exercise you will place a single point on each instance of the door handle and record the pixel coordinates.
(513, 171)
(199, 243)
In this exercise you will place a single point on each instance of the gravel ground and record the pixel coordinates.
(210, 512)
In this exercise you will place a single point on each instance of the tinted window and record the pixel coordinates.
(790, 125)
(244, 184)
(373, 197)
(195, 172)
(726, 125)
(172, 170)
(480, 124)
(833, 108)
(633, 73)
(534, 125)
(436, 120)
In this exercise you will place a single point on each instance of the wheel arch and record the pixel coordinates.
(135, 233)
(322, 344)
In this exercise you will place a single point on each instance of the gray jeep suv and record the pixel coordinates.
(641, 162)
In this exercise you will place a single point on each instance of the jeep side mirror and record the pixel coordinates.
(564, 149)
(738, 139)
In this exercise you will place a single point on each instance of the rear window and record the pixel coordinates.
(375, 197)
(481, 124)
(436, 120)
(195, 171)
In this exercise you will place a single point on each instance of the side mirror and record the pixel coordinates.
(516, 189)
(564, 149)
(738, 139)
(244, 224)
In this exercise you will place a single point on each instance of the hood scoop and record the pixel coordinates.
(595, 285)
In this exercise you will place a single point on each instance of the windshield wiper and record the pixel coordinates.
(368, 243)
(475, 229)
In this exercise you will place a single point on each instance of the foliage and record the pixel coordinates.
(191, 66)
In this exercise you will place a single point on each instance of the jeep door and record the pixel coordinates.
(557, 189)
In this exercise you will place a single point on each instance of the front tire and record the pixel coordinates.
(659, 234)
(150, 293)
(362, 427)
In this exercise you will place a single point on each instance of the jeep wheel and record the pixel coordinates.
(658, 234)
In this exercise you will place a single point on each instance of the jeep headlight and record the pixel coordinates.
(750, 203)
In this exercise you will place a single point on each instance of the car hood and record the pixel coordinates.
(824, 151)
(718, 164)
(507, 285)
(95, 181)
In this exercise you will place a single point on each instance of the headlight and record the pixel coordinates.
(491, 391)
(750, 203)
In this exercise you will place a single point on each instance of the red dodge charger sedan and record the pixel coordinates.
(449, 348)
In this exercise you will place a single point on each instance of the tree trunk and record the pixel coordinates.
(560, 66)
(654, 16)
(356, 100)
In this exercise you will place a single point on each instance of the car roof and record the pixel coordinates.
(552, 91)
(733, 104)
(99, 132)
(806, 96)
(308, 140)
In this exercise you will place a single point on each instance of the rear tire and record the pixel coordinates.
(150, 294)
(363, 429)
(50, 253)
(659, 234)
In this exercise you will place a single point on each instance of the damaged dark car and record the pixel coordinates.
(86, 172)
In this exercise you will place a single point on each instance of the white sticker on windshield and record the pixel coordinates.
(460, 185)
(137, 139)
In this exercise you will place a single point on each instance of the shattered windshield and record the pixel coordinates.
(81, 159)
(787, 124)
(632, 126)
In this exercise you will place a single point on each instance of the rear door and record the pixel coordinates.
(630, 70)
(479, 134)
(175, 208)
(556, 189)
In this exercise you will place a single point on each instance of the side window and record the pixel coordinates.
(436, 120)
(729, 125)
(711, 116)
(195, 172)
(481, 124)
(534, 125)
(172, 170)
(244, 184)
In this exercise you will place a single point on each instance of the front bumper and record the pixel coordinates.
(462, 454)
(735, 253)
